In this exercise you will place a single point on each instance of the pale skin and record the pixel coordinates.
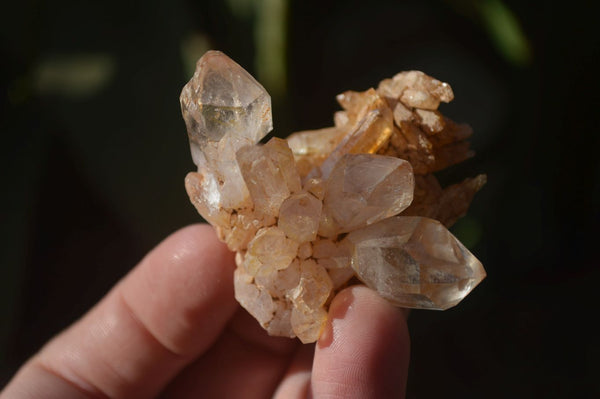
(172, 328)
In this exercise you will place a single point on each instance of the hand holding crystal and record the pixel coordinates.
(311, 214)
(307, 217)
(172, 328)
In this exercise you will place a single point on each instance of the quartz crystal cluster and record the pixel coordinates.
(309, 214)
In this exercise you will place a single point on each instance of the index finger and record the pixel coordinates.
(162, 315)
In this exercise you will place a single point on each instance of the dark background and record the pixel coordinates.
(94, 152)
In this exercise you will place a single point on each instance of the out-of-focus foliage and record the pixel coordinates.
(78, 75)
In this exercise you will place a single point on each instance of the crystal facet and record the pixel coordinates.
(299, 216)
(222, 101)
(269, 250)
(310, 215)
(363, 189)
(263, 179)
(414, 262)
(224, 109)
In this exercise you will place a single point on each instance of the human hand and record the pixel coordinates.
(172, 328)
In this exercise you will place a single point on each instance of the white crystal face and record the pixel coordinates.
(414, 262)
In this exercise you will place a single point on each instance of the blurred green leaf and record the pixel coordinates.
(270, 36)
(505, 31)
(74, 76)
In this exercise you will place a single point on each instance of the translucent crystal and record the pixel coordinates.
(269, 250)
(308, 325)
(281, 323)
(328, 228)
(308, 315)
(202, 189)
(314, 288)
(324, 249)
(315, 143)
(340, 276)
(224, 109)
(416, 89)
(299, 217)
(369, 136)
(270, 175)
(414, 262)
(431, 121)
(358, 105)
(305, 250)
(244, 226)
(402, 114)
(281, 155)
(312, 147)
(254, 299)
(223, 100)
(331, 254)
(316, 187)
(279, 283)
(263, 178)
(363, 189)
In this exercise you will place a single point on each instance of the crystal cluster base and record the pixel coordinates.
(309, 214)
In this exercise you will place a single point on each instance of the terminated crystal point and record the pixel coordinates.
(202, 188)
(414, 262)
(363, 189)
(224, 109)
(416, 89)
(222, 100)
(312, 214)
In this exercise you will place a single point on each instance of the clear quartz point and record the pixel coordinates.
(224, 109)
(414, 262)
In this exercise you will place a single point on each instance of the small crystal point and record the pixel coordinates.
(202, 189)
(414, 262)
(299, 217)
(416, 89)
